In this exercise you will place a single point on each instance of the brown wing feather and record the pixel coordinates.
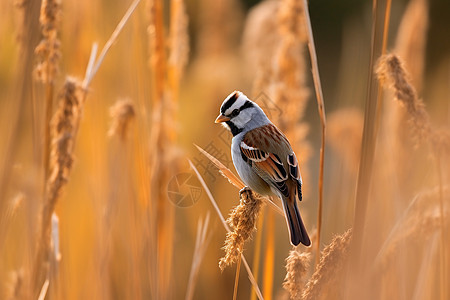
(268, 157)
(269, 153)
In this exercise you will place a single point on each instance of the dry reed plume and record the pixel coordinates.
(331, 268)
(242, 220)
(48, 50)
(122, 113)
(64, 128)
(390, 70)
(297, 266)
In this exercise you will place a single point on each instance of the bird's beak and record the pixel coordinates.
(221, 118)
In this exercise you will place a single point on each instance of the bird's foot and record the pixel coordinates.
(243, 190)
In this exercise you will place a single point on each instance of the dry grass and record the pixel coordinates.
(297, 265)
(331, 269)
(242, 220)
(97, 200)
(122, 113)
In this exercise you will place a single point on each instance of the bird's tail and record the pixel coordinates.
(296, 228)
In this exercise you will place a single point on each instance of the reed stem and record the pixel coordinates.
(321, 110)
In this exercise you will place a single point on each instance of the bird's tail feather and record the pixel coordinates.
(296, 228)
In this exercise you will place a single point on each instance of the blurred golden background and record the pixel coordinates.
(97, 197)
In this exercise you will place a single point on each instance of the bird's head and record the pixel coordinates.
(237, 113)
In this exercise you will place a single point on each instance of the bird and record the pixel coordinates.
(264, 159)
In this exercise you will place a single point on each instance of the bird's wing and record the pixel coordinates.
(294, 172)
(259, 149)
(270, 155)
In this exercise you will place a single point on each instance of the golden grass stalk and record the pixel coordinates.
(242, 220)
(236, 277)
(44, 289)
(321, 110)
(227, 228)
(257, 250)
(297, 266)
(233, 179)
(330, 269)
(370, 129)
(269, 257)
(201, 244)
(179, 44)
(94, 67)
(411, 39)
(122, 113)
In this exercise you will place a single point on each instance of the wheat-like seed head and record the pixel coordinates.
(242, 220)
(48, 50)
(330, 267)
(390, 69)
(297, 266)
(122, 113)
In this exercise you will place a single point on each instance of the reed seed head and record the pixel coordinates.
(48, 50)
(391, 70)
(242, 219)
(331, 264)
(122, 113)
(297, 266)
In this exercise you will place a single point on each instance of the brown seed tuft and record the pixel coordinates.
(390, 69)
(122, 113)
(48, 50)
(243, 221)
(331, 263)
(64, 126)
(297, 266)
(64, 129)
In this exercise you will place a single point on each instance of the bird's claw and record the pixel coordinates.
(243, 190)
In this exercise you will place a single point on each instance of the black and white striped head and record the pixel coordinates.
(238, 112)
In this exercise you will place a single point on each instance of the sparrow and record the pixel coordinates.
(264, 159)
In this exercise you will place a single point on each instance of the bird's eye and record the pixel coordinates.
(234, 113)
